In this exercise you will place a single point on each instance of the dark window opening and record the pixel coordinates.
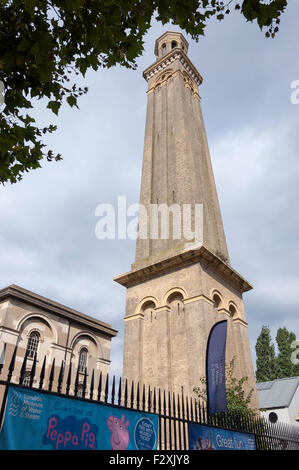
(32, 344)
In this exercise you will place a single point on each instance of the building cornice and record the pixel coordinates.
(185, 258)
(164, 62)
(19, 293)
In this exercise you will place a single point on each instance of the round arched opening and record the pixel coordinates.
(232, 310)
(176, 302)
(216, 300)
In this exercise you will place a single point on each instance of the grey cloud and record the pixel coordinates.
(47, 235)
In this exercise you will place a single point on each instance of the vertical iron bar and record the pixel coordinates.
(143, 397)
(195, 411)
(23, 369)
(169, 422)
(69, 379)
(186, 424)
(126, 393)
(149, 400)
(60, 378)
(160, 420)
(132, 394)
(84, 383)
(107, 388)
(180, 431)
(42, 374)
(113, 390)
(2, 357)
(191, 409)
(91, 385)
(183, 414)
(9, 376)
(119, 392)
(77, 382)
(164, 412)
(32, 372)
(154, 401)
(100, 388)
(51, 378)
(12, 365)
(175, 420)
(138, 397)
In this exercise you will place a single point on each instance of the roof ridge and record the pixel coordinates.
(279, 378)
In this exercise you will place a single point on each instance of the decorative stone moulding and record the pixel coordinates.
(167, 60)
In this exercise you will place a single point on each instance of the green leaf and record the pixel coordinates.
(72, 101)
(54, 106)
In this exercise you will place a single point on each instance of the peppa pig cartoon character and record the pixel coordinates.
(119, 432)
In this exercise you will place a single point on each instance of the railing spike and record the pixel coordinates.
(107, 388)
(69, 379)
(23, 369)
(138, 397)
(132, 394)
(2, 357)
(113, 390)
(159, 401)
(84, 383)
(100, 387)
(119, 392)
(52, 373)
(33, 370)
(126, 393)
(77, 382)
(42, 374)
(60, 378)
(12, 364)
(91, 385)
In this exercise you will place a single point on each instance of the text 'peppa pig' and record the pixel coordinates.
(70, 433)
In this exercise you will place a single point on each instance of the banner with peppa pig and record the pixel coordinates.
(38, 421)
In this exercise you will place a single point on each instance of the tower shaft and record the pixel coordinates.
(176, 162)
(178, 288)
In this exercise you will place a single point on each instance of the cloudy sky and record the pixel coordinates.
(47, 236)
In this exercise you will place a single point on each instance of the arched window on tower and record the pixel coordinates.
(83, 360)
(216, 300)
(175, 301)
(32, 344)
(163, 49)
(173, 44)
(232, 310)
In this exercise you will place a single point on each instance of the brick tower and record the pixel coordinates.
(177, 288)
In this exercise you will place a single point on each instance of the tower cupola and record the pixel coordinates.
(169, 41)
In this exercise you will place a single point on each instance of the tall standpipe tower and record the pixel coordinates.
(178, 288)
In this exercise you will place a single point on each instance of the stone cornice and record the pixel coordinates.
(28, 297)
(164, 62)
(102, 360)
(241, 321)
(185, 258)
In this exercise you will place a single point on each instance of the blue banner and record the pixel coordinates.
(40, 421)
(208, 438)
(215, 368)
